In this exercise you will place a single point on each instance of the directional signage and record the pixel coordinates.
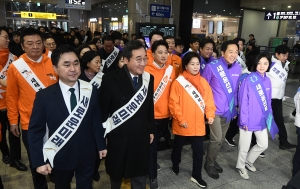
(282, 15)
(162, 11)
(40, 15)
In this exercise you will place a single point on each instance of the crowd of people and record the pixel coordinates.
(79, 98)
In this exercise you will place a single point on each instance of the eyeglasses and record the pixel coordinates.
(139, 60)
(51, 44)
(5, 37)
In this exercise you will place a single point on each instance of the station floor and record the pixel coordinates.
(273, 171)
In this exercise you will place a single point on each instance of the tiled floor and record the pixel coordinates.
(273, 171)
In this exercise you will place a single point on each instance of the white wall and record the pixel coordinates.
(254, 23)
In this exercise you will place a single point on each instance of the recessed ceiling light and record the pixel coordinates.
(230, 13)
(264, 7)
(224, 10)
(115, 4)
(209, 11)
(242, 9)
(208, 16)
(289, 6)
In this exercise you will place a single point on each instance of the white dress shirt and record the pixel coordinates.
(67, 94)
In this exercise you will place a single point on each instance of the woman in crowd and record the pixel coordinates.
(75, 43)
(82, 49)
(254, 99)
(122, 44)
(121, 60)
(97, 42)
(190, 98)
(90, 65)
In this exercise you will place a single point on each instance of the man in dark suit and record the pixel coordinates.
(126, 95)
(79, 132)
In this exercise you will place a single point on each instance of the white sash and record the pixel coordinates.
(69, 127)
(163, 84)
(96, 81)
(241, 62)
(278, 72)
(193, 92)
(129, 109)
(4, 70)
(28, 75)
(111, 58)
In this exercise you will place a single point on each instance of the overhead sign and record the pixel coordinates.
(162, 11)
(75, 4)
(196, 23)
(39, 15)
(93, 19)
(282, 15)
(113, 19)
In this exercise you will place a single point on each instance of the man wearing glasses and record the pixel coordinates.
(50, 46)
(128, 115)
(32, 72)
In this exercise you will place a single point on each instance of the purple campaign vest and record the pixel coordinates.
(257, 86)
(225, 80)
(203, 63)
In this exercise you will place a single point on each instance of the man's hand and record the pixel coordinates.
(102, 153)
(151, 138)
(15, 130)
(210, 121)
(245, 128)
(44, 169)
(184, 125)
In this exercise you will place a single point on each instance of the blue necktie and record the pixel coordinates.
(73, 99)
(135, 82)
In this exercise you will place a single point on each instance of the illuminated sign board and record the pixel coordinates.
(75, 4)
(39, 15)
(282, 15)
(93, 19)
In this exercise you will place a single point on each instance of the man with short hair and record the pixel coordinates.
(15, 45)
(194, 46)
(125, 36)
(12, 154)
(133, 36)
(70, 111)
(278, 75)
(178, 47)
(206, 50)
(164, 74)
(50, 45)
(109, 54)
(241, 60)
(30, 73)
(175, 60)
(222, 75)
(128, 112)
(42, 29)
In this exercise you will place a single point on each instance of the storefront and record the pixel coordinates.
(219, 28)
(25, 14)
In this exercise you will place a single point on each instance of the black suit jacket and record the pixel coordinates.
(129, 144)
(50, 108)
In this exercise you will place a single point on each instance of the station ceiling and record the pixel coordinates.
(115, 4)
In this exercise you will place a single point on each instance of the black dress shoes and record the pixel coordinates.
(18, 165)
(5, 159)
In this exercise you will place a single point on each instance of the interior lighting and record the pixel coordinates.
(264, 7)
(206, 2)
(224, 10)
(289, 6)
